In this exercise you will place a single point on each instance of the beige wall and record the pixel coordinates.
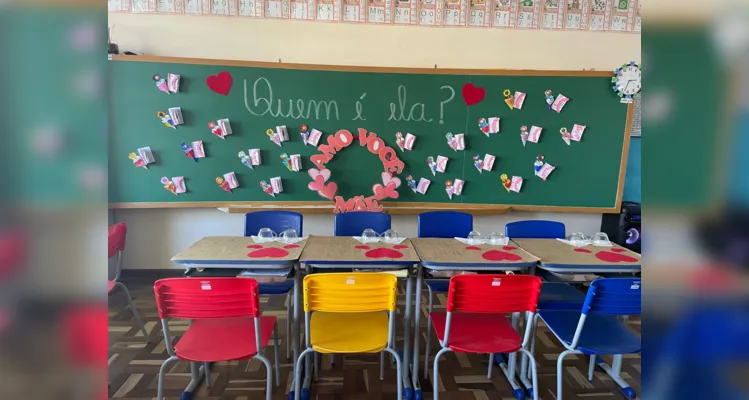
(155, 235)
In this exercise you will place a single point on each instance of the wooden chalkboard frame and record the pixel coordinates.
(326, 207)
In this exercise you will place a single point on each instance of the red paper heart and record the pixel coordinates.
(473, 248)
(509, 248)
(618, 250)
(614, 257)
(473, 94)
(329, 190)
(291, 246)
(400, 246)
(390, 190)
(384, 252)
(220, 83)
(499, 255)
(362, 247)
(583, 250)
(318, 184)
(255, 246)
(272, 252)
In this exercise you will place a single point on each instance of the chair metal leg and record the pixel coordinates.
(436, 372)
(399, 370)
(287, 338)
(297, 370)
(429, 334)
(489, 371)
(275, 355)
(560, 360)
(591, 367)
(316, 367)
(268, 376)
(207, 369)
(135, 310)
(382, 365)
(162, 371)
(534, 373)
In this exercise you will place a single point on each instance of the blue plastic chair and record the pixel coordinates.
(535, 229)
(440, 224)
(278, 221)
(354, 223)
(597, 330)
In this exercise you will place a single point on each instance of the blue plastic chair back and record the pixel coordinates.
(444, 224)
(278, 221)
(614, 296)
(535, 229)
(354, 223)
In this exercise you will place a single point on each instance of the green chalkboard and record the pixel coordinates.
(426, 103)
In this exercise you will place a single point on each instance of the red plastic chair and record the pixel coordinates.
(226, 324)
(85, 335)
(476, 322)
(117, 233)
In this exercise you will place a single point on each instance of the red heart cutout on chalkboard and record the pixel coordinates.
(220, 83)
(614, 257)
(473, 94)
(318, 184)
(329, 190)
(499, 255)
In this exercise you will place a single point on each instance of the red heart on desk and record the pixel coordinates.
(220, 83)
(614, 257)
(384, 252)
(499, 255)
(272, 252)
(473, 94)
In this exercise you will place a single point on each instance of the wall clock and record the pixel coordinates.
(627, 81)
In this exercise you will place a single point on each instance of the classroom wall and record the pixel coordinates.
(156, 235)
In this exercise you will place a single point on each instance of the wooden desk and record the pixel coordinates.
(562, 258)
(450, 254)
(239, 252)
(338, 251)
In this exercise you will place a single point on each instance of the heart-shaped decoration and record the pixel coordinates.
(387, 178)
(220, 83)
(390, 190)
(329, 190)
(314, 173)
(473, 94)
(318, 184)
(383, 192)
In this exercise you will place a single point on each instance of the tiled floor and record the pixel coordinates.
(134, 365)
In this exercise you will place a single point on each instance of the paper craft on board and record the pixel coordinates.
(410, 139)
(519, 99)
(314, 137)
(458, 187)
(565, 135)
(441, 163)
(179, 184)
(559, 103)
(255, 156)
(286, 161)
(549, 97)
(137, 160)
(267, 188)
(423, 185)
(577, 132)
(197, 147)
(161, 83)
(432, 165)
(169, 185)
(478, 162)
(276, 184)
(296, 162)
(146, 154)
(166, 119)
(541, 168)
(509, 98)
(231, 179)
(411, 182)
(176, 114)
(449, 188)
(283, 133)
(225, 126)
(400, 141)
(173, 82)
(189, 151)
(216, 130)
(456, 142)
(274, 137)
(245, 159)
(511, 185)
(535, 134)
(489, 126)
(223, 184)
(304, 133)
(489, 162)
(524, 134)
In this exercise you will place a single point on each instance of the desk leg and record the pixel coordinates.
(417, 333)
(296, 335)
(407, 334)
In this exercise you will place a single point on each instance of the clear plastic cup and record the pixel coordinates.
(577, 239)
(266, 235)
(601, 239)
(369, 236)
(497, 239)
(475, 237)
(289, 236)
(390, 236)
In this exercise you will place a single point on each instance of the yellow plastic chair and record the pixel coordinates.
(349, 312)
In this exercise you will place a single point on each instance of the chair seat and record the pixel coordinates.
(223, 339)
(276, 287)
(438, 285)
(602, 334)
(478, 333)
(560, 296)
(349, 332)
(110, 286)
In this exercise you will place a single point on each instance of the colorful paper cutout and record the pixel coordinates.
(406, 143)
(255, 156)
(519, 99)
(166, 119)
(276, 184)
(577, 132)
(423, 186)
(189, 151)
(286, 161)
(176, 114)
(489, 162)
(511, 185)
(506, 182)
(524, 134)
(489, 126)
(478, 162)
(456, 142)
(541, 168)
(559, 103)
(449, 188)
(509, 98)
(458, 187)
(565, 135)
(441, 163)
(169, 185)
(220, 83)
(314, 137)
(216, 130)
(549, 98)
(223, 184)
(296, 162)
(304, 133)
(283, 133)
(388, 187)
(432, 165)
(173, 82)
(411, 182)
(142, 158)
(197, 147)
(535, 134)
(179, 184)
(268, 189)
(319, 177)
(231, 178)
(161, 83)
(274, 137)
(225, 126)
(245, 159)
(137, 160)
(472, 94)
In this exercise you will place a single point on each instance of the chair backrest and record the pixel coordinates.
(350, 292)
(354, 223)
(278, 221)
(117, 234)
(614, 296)
(535, 229)
(199, 298)
(495, 294)
(444, 224)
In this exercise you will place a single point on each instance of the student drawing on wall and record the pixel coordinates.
(502, 3)
(574, 5)
(552, 3)
(599, 5)
(526, 3)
